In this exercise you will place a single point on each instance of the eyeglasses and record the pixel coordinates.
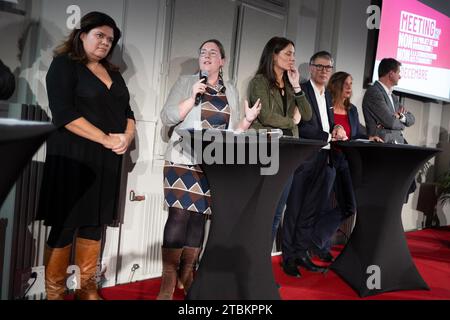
(211, 53)
(321, 67)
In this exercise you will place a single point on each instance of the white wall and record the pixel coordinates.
(304, 34)
(143, 49)
(350, 52)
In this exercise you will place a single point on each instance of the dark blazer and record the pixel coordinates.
(380, 117)
(358, 130)
(313, 128)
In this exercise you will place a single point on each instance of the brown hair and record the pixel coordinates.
(218, 44)
(387, 65)
(336, 85)
(272, 47)
(221, 49)
(73, 46)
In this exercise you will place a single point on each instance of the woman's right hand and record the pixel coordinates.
(297, 116)
(294, 76)
(198, 87)
(375, 138)
(109, 142)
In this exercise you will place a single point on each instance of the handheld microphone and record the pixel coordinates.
(202, 75)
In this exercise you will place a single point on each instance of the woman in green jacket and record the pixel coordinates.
(283, 103)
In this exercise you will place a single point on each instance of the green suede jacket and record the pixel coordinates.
(272, 113)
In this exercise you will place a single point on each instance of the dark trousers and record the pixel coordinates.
(338, 207)
(306, 205)
(343, 186)
(326, 226)
(280, 207)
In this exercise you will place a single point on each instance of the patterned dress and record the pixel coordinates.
(186, 186)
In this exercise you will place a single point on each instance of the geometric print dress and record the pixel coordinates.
(186, 186)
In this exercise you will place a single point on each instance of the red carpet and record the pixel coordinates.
(430, 249)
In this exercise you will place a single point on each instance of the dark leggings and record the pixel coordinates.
(61, 237)
(184, 228)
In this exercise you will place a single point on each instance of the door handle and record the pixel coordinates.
(134, 197)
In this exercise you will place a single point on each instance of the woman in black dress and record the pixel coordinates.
(89, 101)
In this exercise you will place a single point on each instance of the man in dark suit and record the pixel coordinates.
(383, 114)
(314, 179)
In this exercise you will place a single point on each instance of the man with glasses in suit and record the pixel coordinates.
(308, 203)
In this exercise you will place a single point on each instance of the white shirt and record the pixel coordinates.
(322, 104)
(389, 93)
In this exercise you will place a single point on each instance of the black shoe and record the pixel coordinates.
(322, 255)
(325, 256)
(305, 262)
(290, 268)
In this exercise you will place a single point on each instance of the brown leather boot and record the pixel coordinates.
(56, 261)
(171, 261)
(87, 253)
(187, 265)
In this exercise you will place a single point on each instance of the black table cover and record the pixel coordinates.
(19, 141)
(236, 263)
(376, 258)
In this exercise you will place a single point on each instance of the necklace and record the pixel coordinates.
(216, 86)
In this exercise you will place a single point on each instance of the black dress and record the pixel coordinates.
(81, 178)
